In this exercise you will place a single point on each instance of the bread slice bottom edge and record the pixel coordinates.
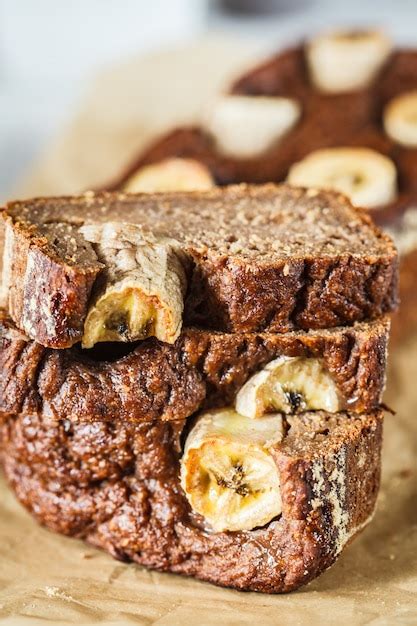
(116, 486)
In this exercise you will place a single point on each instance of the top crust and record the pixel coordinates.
(270, 258)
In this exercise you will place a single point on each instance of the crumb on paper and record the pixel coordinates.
(56, 592)
(405, 473)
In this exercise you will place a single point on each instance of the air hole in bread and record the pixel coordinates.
(324, 432)
(108, 351)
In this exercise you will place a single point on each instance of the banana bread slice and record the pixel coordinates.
(239, 259)
(116, 485)
(152, 380)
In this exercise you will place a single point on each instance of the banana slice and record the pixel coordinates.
(290, 385)
(245, 126)
(367, 177)
(400, 119)
(144, 287)
(227, 471)
(345, 61)
(171, 175)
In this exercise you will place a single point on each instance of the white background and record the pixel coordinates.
(50, 49)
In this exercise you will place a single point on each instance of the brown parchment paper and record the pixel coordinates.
(46, 578)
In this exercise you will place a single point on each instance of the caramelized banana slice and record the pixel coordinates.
(345, 61)
(143, 288)
(171, 175)
(289, 385)
(400, 119)
(227, 471)
(245, 126)
(367, 177)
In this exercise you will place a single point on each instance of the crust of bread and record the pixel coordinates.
(116, 485)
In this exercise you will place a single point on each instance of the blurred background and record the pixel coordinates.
(50, 50)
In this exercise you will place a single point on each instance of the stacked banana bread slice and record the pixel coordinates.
(192, 381)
